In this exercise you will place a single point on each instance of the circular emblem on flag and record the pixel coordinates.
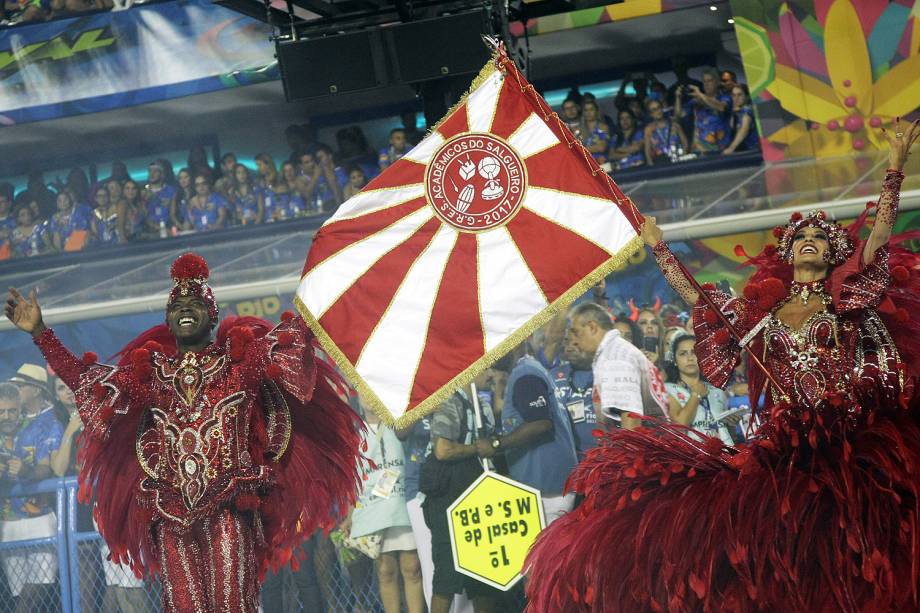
(475, 182)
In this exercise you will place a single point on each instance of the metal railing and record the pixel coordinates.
(21, 556)
(85, 581)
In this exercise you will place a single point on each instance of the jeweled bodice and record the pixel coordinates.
(808, 362)
(194, 441)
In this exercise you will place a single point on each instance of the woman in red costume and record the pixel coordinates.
(820, 512)
(211, 460)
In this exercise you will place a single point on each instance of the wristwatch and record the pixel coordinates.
(496, 443)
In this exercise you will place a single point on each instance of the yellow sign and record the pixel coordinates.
(492, 526)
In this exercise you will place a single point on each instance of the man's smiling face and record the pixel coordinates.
(188, 320)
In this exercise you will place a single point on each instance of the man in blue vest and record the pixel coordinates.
(537, 435)
(574, 380)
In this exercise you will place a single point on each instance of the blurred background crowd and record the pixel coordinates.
(656, 124)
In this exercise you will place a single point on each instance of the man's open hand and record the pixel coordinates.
(24, 313)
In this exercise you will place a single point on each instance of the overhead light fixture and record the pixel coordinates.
(713, 7)
(730, 20)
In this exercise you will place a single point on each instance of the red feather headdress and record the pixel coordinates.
(190, 275)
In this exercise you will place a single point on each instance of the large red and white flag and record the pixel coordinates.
(462, 248)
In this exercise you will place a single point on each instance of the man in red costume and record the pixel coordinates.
(212, 459)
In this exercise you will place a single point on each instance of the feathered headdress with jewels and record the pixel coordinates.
(190, 275)
(840, 243)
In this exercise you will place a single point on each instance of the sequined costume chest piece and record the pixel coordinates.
(807, 361)
(193, 443)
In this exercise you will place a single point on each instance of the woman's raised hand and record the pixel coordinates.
(900, 142)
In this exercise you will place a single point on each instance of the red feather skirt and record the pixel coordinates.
(818, 518)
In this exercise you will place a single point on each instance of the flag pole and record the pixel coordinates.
(477, 413)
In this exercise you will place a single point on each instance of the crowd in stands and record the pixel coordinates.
(540, 411)
(658, 124)
(76, 213)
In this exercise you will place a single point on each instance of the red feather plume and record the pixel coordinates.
(189, 266)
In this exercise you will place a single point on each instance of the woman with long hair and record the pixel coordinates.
(743, 128)
(131, 212)
(693, 401)
(652, 329)
(820, 511)
(105, 217)
(627, 148)
(276, 194)
(27, 238)
(184, 193)
(245, 197)
(594, 133)
(294, 206)
(70, 226)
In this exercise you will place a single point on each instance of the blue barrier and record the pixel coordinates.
(59, 540)
(88, 583)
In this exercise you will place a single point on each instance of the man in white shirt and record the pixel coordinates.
(625, 382)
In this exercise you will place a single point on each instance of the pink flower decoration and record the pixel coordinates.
(832, 125)
(850, 101)
(859, 144)
(875, 122)
(853, 123)
(847, 83)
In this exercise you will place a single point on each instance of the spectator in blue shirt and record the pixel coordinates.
(537, 435)
(246, 198)
(160, 198)
(132, 212)
(224, 184)
(206, 210)
(626, 148)
(397, 147)
(711, 109)
(26, 459)
(279, 202)
(28, 237)
(743, 127)
(325, 180)
(70, 219)
(574, 379)
(105, 217)
(184, 192)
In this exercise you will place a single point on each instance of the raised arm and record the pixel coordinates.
(670, 267)
(101, 391)
(26, 314)
(712, 102)
(887, 211)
